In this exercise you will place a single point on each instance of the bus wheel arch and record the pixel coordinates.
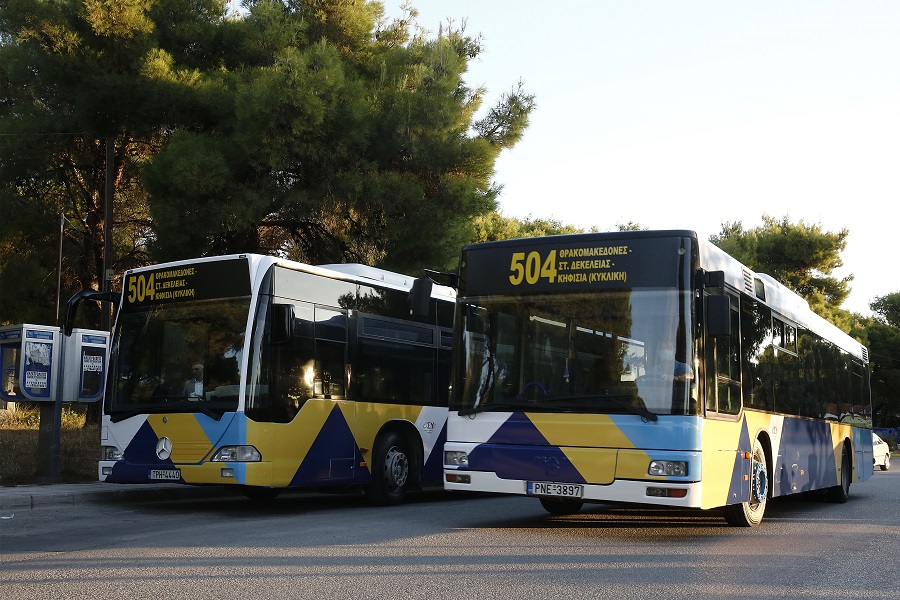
(750, 512)
(396, 464)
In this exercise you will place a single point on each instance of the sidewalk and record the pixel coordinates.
(28, 497)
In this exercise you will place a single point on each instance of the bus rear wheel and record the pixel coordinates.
(841, 492)
(750, 513)
(390, 471)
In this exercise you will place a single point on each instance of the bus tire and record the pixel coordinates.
(839, 493)
(261, 494)
(750, 513)
(391, 466)
(560, 506)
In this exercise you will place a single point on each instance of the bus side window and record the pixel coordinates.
(331, 353)
(396, 357)
(292, 366)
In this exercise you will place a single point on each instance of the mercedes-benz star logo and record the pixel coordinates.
(164, 448)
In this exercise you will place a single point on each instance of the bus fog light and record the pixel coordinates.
(676, 468)
(456, 458)
(227, 473)
(237, 454)
(110, 453)
(106, 471)
(666, 492)
(458, 478)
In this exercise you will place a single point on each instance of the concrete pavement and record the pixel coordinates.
(28, 497)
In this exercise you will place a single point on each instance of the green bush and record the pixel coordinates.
(29, 417)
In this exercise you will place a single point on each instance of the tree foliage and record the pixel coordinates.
(311, 129)
(801, 256)
(495, 226)
(76, 75)
(883, 342)
(345, 138)
(887, 309)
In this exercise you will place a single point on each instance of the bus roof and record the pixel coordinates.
(358, 273)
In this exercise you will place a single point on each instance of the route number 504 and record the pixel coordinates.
(140, 288)
(532, 267)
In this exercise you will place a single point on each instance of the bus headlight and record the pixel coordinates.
(237, 454)
(456, 458)
(662, 468)
(110, 453)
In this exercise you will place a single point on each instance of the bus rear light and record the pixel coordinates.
(666, 492)
(458, 478)
(237, 454)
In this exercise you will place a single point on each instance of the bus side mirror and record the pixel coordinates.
(282, 323)
(718, 316)
(72, 306)
(420, 297)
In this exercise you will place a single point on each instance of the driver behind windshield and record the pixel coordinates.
(666, 367)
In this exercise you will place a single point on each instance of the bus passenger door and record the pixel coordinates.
(335, 444)
(723, 366)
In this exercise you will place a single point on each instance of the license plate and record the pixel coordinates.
(165, 474)
(560, 490)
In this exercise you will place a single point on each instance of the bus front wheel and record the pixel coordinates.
(261, 494)
(750, 513)
(391, 465)
(557, 506)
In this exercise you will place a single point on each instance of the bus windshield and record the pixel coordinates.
(603, 351)
(178, 357)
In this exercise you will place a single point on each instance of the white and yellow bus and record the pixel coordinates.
(648, 367)
(268, 374)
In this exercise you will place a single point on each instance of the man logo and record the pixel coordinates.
(164, 448)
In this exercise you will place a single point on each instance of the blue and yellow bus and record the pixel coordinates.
(648, 367)
(267, 374)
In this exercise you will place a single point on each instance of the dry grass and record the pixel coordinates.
(19, 461)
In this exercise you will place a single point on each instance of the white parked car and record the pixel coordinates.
(882, 453)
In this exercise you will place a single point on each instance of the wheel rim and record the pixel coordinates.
(396, 468)
(760, 482)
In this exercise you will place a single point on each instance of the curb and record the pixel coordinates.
(31, 497)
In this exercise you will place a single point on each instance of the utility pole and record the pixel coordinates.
(106, 276)
(62, 219)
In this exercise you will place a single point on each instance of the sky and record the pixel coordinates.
(691, 114)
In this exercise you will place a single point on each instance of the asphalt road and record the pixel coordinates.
(99, 540)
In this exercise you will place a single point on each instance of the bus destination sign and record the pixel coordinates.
(199, 281)
(570, 263)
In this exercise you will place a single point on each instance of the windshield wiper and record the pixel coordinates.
(118, 416)
(516, 406)
(483, 407)
(568, 403)
(125, 414)
(619, 402)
